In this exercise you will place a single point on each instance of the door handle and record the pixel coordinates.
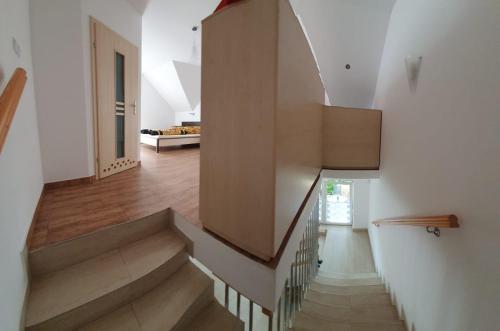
(134, 105)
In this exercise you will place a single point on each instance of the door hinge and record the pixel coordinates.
(93, 44)
(97, 160)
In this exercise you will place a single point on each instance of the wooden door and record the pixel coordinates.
(116, 81)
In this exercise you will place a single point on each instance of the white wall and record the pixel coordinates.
(156, 112)
(61, 55)
(440, 154)
(194, 116)
(347, 32)
(58, 62)
(361, 203)
(20, 165)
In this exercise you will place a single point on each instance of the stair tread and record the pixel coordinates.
(305, 322)
(386, 314)
(349, 300)
(57, 292)
(349, 281)
(121, 319)
(160, 309)
(348, 290)
(339, 275)
(216, 318)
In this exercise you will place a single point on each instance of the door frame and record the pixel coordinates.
(95, 117)
(323, 201)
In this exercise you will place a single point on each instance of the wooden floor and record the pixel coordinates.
(168, 179)
(346, 252)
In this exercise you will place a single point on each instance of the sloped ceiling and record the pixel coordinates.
(189, 77)
(341, 32)
(171, 51)
(178, 83)
(345, 32)
(166, 30)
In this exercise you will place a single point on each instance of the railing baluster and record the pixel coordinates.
(285, 306)
(238, 304)
(226, 297)
(250, 316)
(303, 270)
(278, 327)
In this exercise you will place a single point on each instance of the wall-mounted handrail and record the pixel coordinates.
(432, 223)
(9, 101)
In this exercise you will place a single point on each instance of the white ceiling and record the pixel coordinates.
(171, 51)
(345, 32)
(166, 30)
(341, 32)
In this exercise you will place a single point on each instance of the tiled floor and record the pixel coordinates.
(168, 179)
(346, 251)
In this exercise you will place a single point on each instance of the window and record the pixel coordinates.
(120, 104)
(336, 202)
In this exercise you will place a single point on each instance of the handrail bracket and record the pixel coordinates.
(434, 230)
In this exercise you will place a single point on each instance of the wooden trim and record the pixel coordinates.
(352, 168)
(95, 109)
(70, 182)
(444, 221)
(9, 100)
(273, 263)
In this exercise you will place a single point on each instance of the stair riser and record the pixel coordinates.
(349, 282)
(351, 314)
(349, 300)
(112, 301)
(86, 313)
(201, 303)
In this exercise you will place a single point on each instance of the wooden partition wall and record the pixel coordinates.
(262, 107)
(351, 138)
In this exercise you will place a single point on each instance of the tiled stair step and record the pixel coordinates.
(172, 305)
(338, 275)
(82, 248)
(67, 298)
(348, 290)
(305, 322)
(346, 314)
(215, 318)
(379, 299)
(349, 282)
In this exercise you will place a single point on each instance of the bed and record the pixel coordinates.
(171, 140)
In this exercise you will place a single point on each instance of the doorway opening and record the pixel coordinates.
(336, 202)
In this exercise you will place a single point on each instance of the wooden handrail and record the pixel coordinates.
(445, 221)
(9, 101)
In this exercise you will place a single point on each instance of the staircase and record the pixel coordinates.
(348, 303)
(133, 276)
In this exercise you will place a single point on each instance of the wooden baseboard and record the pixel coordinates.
(360, 230)
(71, 182)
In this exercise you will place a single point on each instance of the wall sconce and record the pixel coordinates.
(413, 65)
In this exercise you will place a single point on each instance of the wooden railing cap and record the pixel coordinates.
(9, 101)
(443, 221)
